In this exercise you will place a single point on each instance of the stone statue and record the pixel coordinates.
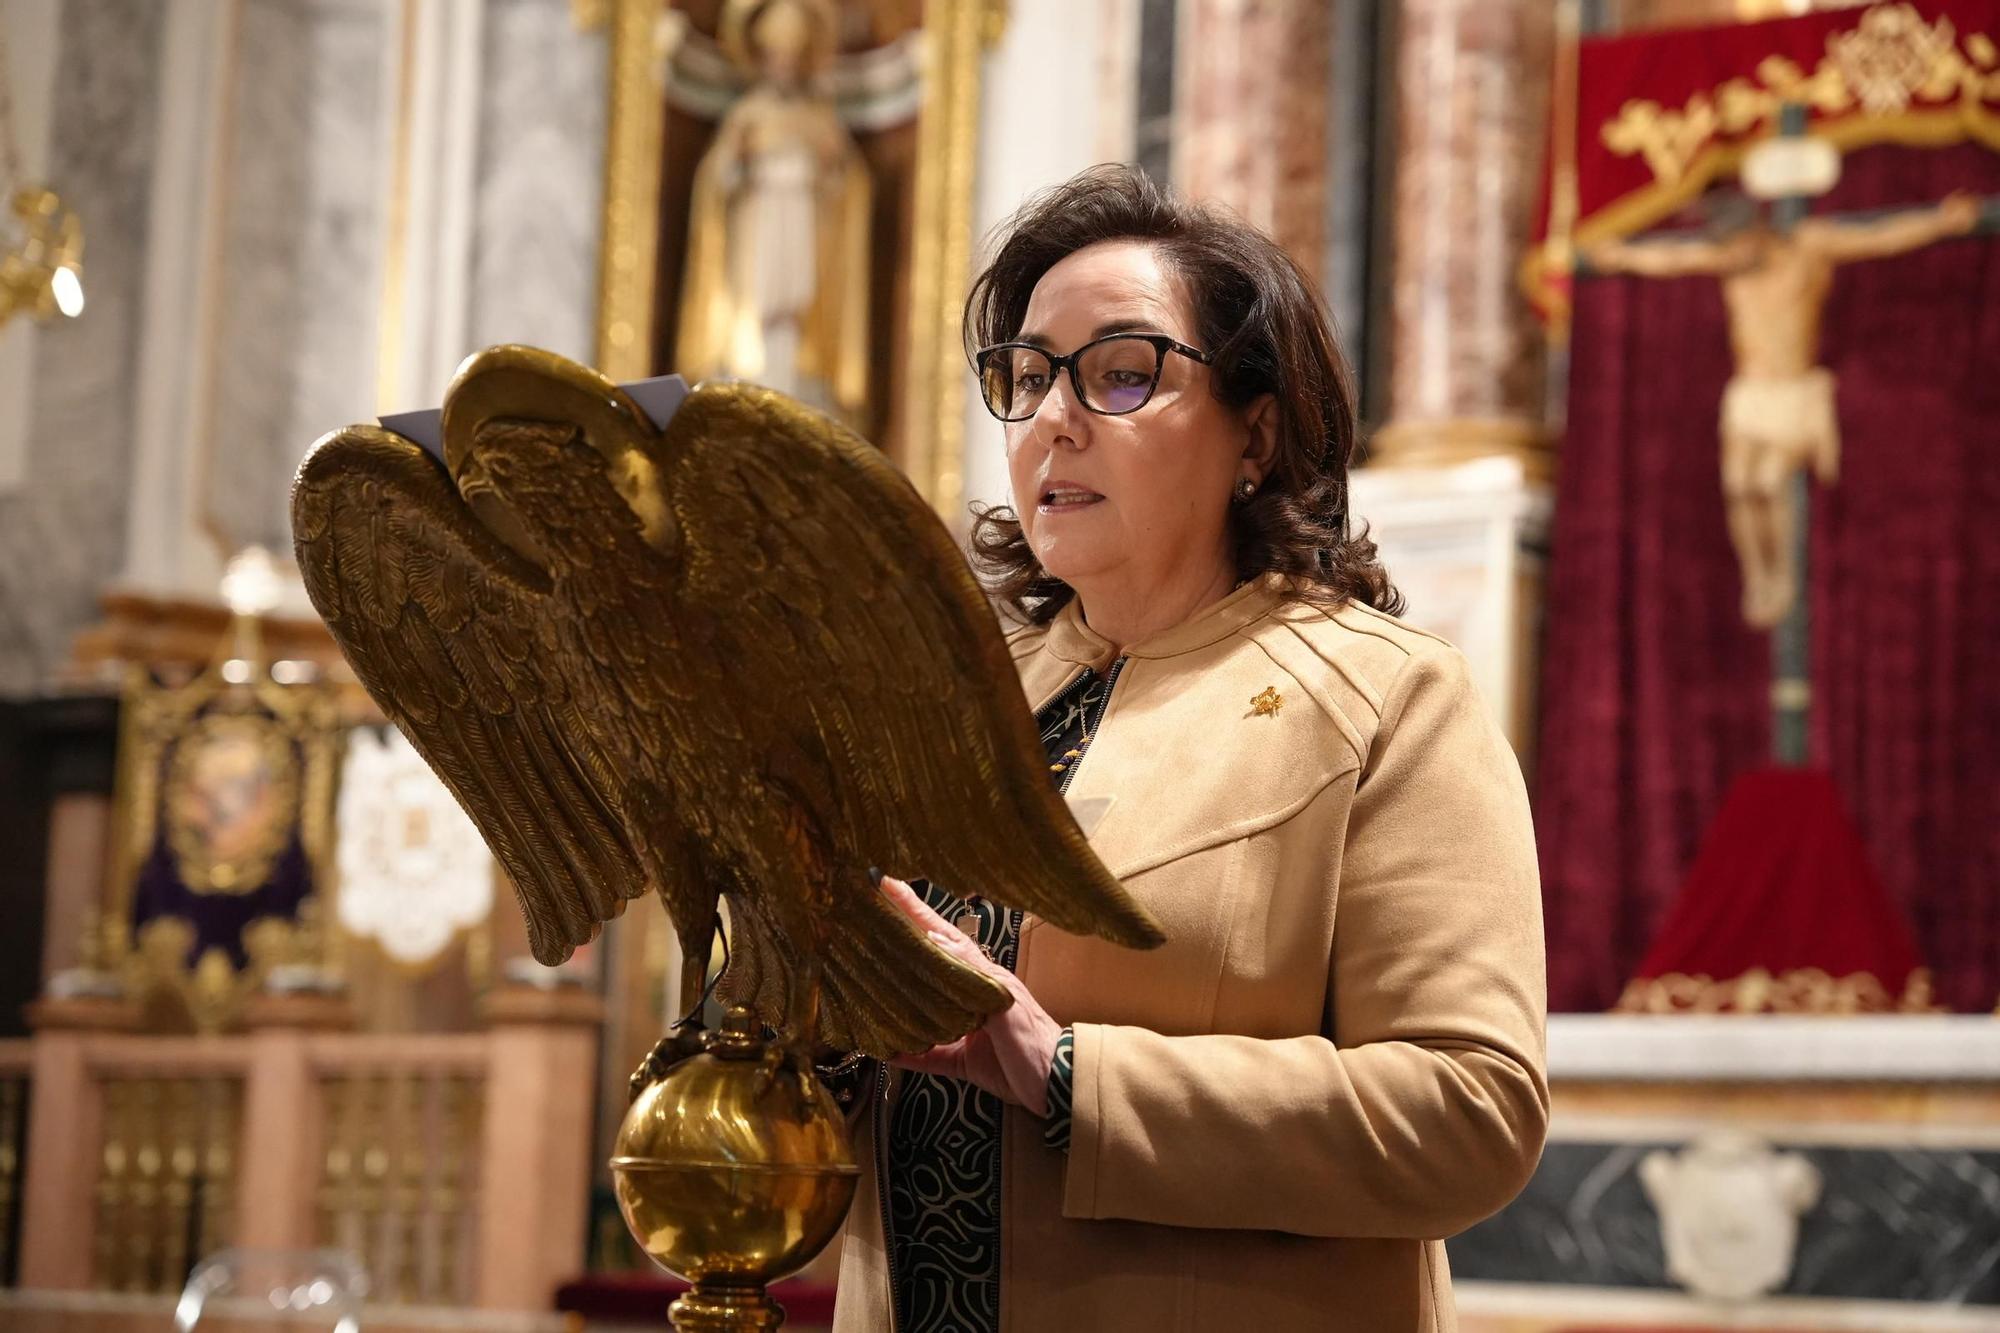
(1778, 414)
(776, 287)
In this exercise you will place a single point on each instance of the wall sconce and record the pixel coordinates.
(42, 274)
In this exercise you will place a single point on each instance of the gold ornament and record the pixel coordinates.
(41, 272)
(1891, 65)
(738, 657)
(733, 1170)
(1893, 56)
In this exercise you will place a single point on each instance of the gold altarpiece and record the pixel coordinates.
(919, 241)
(225, 798)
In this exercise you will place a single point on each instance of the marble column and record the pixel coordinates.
(1472, 81)
(1250, 114)
(536, 1146)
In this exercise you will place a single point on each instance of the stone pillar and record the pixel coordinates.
(1466, 547)
(282, 1146)
(81, 828)
(58, 1206)
(536, 1156)
(1472, 80)
(65, 1134)
(640, 960)
(1250, 114)
(69, 759)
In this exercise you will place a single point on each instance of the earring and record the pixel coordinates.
(1245, 488)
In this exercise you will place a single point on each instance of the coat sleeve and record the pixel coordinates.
(1425, 1110)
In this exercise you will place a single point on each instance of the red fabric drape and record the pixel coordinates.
(1654, 692)
(1783, 884)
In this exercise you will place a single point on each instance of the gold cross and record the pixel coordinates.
(1267, 703)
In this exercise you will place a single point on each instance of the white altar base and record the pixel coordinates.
(1898, 1117)
(1465, 545)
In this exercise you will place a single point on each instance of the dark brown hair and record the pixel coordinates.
(1266, 329)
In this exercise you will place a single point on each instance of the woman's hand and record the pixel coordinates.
(1010, 1053)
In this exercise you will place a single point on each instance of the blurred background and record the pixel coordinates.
(1674, 325)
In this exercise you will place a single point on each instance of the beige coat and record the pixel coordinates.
(1336, 1059)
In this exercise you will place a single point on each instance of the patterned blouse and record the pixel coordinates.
(943, 1181)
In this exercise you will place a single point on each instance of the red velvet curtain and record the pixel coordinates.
(1654, 692)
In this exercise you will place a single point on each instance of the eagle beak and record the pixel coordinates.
(483, 496)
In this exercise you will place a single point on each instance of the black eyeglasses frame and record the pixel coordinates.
(1162, 344)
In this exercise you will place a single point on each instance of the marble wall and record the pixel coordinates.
(168, 421)
(1465, 546)
(540, 180)
(62, 529)
(306, 215)
(308, 324)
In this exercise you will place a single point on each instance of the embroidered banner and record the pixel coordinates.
(1644, 123)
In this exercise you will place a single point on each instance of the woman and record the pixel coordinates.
(1336, 1059)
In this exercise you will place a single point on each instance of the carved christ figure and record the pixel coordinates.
(1778, 414)
(777, 266)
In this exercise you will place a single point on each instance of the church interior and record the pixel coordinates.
(1672, 325)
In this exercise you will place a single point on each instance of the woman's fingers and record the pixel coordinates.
(947, 1059)
(912, 905)
(955, 943)
(1005, 1055)
(942, 932)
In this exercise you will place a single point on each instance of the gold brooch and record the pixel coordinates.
(1267, 703)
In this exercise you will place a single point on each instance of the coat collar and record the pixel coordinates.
(1071, 640)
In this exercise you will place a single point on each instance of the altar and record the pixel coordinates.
(1718, 1172)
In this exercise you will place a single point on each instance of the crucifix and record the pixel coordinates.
(1778, 418)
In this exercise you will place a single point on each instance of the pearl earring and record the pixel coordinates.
(1245, 489)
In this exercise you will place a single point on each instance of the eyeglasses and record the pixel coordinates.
(1111, 376)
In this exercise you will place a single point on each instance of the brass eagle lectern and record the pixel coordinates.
(732, 658)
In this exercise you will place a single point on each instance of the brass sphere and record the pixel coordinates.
(736, 1167)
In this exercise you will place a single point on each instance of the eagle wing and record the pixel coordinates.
(448, 628)
(865, 646)
(742, 655)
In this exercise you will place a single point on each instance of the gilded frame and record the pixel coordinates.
(956, 35)
(153, 719)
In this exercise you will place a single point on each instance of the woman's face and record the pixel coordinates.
(1135, 501)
